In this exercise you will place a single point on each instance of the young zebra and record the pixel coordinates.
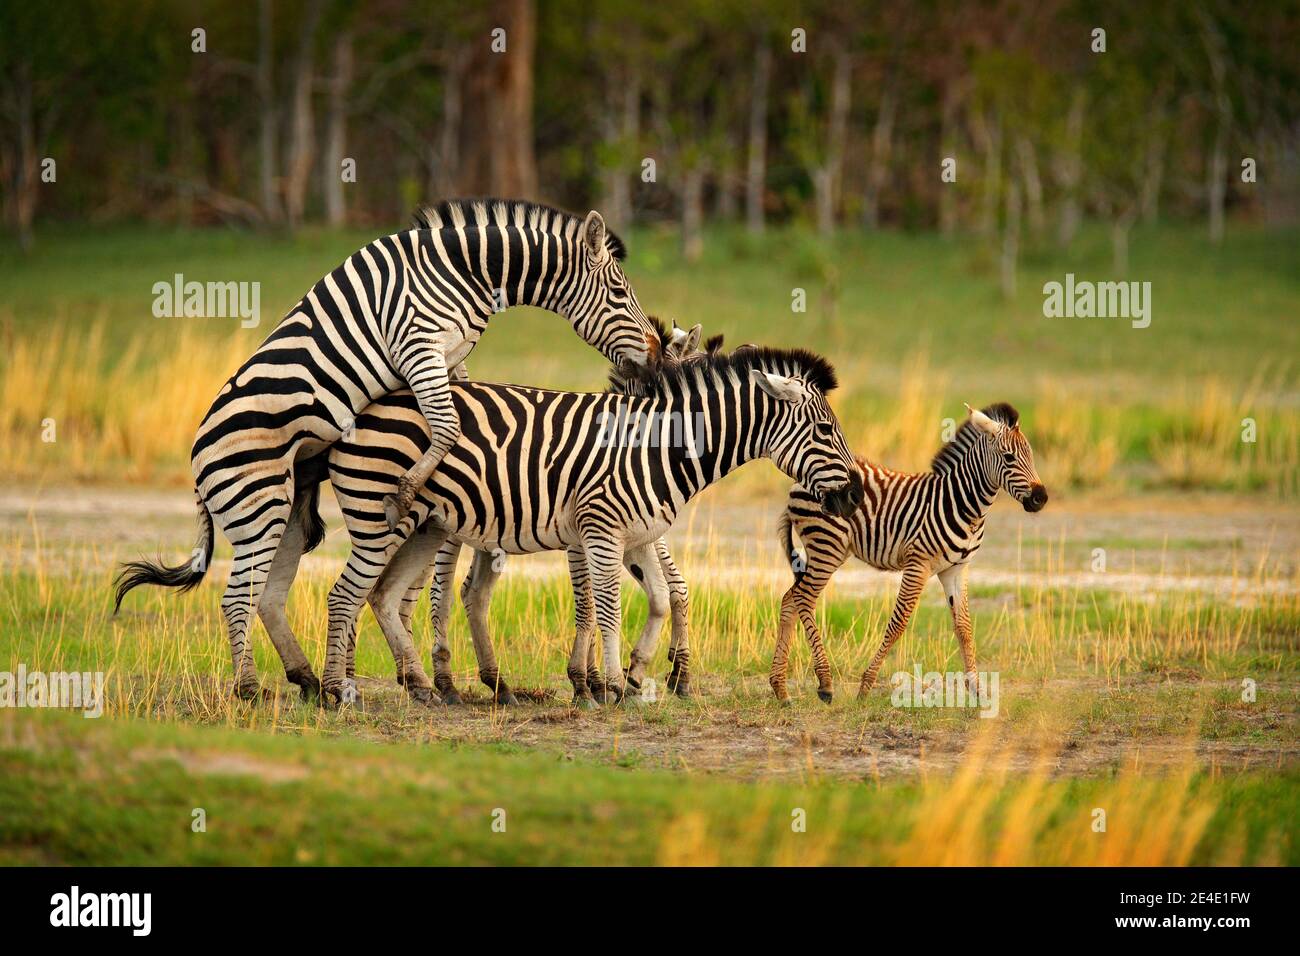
(533, 471)
(677, 346)
(920, 524)
(400, 312)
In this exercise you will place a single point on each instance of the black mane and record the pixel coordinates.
(489, 211)
(952, 451)
(797, 363)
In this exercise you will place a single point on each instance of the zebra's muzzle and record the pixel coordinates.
(1034, 501)
(844, 500)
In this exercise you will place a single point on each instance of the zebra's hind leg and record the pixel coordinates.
(644, 565)
(440, 602)
(679, 646)
(284, 568)
(253, 558)
(825, 555)
(476, 595)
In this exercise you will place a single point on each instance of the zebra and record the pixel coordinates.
(485, 570)
(401, 312)
(531, 471)
(920, 524)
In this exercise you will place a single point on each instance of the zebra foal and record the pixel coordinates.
(920, 524)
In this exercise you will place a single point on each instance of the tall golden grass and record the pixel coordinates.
(129, 415)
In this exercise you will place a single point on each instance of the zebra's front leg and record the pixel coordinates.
(406, 571)
(349, 593)
(476, 595)
(954, 589)
(679, 601)
(909, 592)
(643, 563)
(604, 567)
(582, 659)
(440, 602)
(424, 367)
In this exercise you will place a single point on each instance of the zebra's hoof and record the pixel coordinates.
(451, 697)
(683, 690)
(250, 691)
(506, 699)
(392, 513)
(825, 695)
(424, 696)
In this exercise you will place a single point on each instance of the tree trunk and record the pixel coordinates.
(622, 130)
(692, 213)
(756, 163)
(267, 114)
(836, 132)
(1028, 158)
(725, 199)
(948, 145)
(1069, 170)
(1217, 171)
(988, 134)
(511, 153)
(302, 120)
(337, 131)
(444, 182)
(882, 142)
(1011, 240)
(26, 162)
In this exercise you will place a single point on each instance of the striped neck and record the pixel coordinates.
(515, 265)
(965, 473)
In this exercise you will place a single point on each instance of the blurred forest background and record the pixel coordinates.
(746, 149)
(834, 114)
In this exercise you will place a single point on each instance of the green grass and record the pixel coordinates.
(78, 792)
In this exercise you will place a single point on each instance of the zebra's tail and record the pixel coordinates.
(785, 531)
(307, 478)
(183, 576)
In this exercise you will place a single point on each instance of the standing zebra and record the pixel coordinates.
(400, 312)
(920, 524)
(535, 470)
(476, 592)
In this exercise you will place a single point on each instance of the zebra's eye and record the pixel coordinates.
(1009, 457)
(824, 429)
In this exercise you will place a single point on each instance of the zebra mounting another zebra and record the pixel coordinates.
(532, 471)
(920, 524)
(677, 345)
(401, 312)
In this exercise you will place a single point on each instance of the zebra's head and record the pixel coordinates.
(602, 306)
(1008, 459)
(804, 438)
(676, 346)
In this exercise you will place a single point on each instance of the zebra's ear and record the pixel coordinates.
(593, 237)
(779, 386)
(983, 422)
(677, 337)
(693, 339)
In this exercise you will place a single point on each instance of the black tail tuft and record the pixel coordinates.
(185, 577)
(313, 523)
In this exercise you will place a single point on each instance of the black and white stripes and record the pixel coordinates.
(920, 524)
